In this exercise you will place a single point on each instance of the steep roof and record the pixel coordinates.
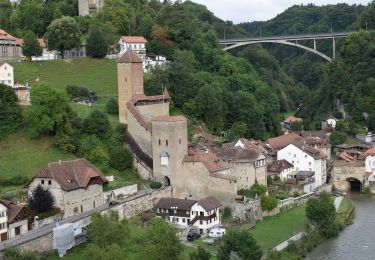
(315, 153)
(13, 210)
(210, 203)
(6, 36)
(71, 175)
(199, 153)
(238, 153)
(181, 204)
(370, 151)
(279, 166)
(129, 57)
(134, 39)
(282, 141)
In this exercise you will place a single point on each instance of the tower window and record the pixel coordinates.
(159, 142)
(166, 142)
(179, 141)
(126, 79)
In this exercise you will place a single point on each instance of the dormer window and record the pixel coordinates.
(164, 158)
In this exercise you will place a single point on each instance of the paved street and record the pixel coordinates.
(40, 232)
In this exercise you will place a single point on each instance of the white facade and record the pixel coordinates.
(285, 174)
(302, 161)
(332, 122)
(138, 47)
(21, 225)
(6, 74)
(370, 163)
(3, 220)
(197, 214)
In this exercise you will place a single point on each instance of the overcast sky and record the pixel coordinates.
(259, 10)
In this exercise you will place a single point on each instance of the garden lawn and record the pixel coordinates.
(274, 230)
(21, 156)
(98, 75)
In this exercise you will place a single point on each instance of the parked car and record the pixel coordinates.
(193, 235)
(217, 233)
(113, 203)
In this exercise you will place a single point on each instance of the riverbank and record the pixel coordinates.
(312, 239)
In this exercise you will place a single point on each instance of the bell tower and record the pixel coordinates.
(130, 81)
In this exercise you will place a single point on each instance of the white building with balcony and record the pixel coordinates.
(134, 43)
(202, 214)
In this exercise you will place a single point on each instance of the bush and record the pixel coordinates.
(14, 181)
(268, 203)
(76, 92)
(337, 138)
(97, 123)
(255, 190)
(155, 185)
(112, 106)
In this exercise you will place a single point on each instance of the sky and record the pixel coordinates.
(260, 10)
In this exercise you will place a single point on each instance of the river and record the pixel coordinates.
(357, 241)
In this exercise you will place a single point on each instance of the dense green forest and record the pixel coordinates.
(245, 91)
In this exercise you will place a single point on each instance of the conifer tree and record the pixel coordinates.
(41, 200)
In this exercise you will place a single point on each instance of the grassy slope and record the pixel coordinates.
(22, 156)
(96, 75)
(274, 230)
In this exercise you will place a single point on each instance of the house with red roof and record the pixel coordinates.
(15, 220)
(76, 185)
(135, 43)
(10, 48)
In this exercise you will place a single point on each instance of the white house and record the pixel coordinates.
(369, 158)
(14, 220)
(6, 74)
(307, 159)
(281, 168)
(329, 121)
(135, 43)
(202, 214)
(76, 186)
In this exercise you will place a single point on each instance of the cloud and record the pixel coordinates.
(259, 10)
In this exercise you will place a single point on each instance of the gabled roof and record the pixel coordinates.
(71, 175)
(279, 166)
(293, 119)
(210, 203)
(238, 153)
(181, 204)
(129, 57)
(6, 36)
(282, 141)
(315, 153)
(13, 210)
(134, 39)
(370, 151)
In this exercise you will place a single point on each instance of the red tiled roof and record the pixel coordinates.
(370, 151)
(141, 97)
(41, 42)
(346, 157)
(129, 57)
(168, 118)
(368, 174)
(292, 119)
(209, 159)
(282, 141)
(6, 36)
(138, 116)
(14, 209)
(279, 166)
(71, 175)
(315, 153)
(134, 39)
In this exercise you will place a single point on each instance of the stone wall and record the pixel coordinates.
(340, 174)
(157, 109)
(139, 134)
(144, 172)
(123, 191)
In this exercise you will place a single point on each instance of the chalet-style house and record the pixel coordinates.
(202, 214)
(77, 185)
(9, 48)
(15, 220)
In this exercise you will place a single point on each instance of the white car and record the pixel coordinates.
(217, 233)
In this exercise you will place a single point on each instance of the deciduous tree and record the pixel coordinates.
(97, 44)
(10, 113)
(63, 34)
(31, 45)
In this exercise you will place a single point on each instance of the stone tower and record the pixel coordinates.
(130, 81)
(169, 147)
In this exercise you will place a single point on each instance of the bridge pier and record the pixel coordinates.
(333, 48)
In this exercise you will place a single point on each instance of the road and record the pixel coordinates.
(40, 232)
(287, 37)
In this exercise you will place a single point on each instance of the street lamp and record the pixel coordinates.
(174, 212)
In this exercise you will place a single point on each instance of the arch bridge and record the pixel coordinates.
(291, 40)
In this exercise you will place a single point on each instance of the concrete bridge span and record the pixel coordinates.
(291, 40)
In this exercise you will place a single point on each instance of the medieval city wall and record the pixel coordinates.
(139, 134)
(148, 111)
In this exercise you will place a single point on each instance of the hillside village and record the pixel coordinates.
(167, 158)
